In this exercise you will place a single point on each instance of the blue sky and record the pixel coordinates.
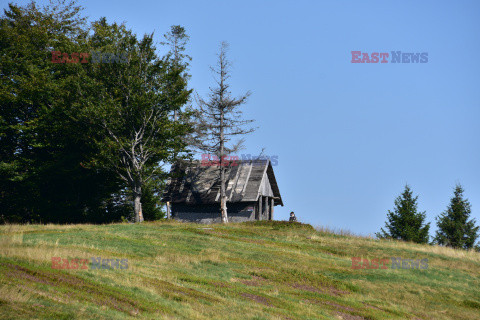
(348, 136)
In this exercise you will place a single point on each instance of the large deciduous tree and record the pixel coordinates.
(75, 137)
(132, 101)
(42, 147)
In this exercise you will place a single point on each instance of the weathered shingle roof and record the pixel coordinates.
(195, 183)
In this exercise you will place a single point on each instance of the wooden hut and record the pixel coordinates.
(193, 192)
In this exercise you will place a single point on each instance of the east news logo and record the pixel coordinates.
(397, 263)
(92, 263)
(81, 57)
(394, 56)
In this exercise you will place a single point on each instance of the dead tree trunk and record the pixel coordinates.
(223, 197)
(168, 209)
(138, 203)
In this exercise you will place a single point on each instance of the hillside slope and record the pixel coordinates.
(269, 270)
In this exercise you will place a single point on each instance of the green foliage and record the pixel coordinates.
(151, 204)
(405, 222)
(177, 39)
(42, 146)
(58, 161)
(131, 105)
(454, 228)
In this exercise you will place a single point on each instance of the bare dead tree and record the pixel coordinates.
(219, 119)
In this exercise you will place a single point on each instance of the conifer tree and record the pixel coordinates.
(405, 222)
(454, 228)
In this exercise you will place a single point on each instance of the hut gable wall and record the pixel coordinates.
(265, 187)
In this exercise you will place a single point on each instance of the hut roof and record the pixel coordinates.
(194, 182)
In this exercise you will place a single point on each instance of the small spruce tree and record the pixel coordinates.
(405, 222)
(454, 228)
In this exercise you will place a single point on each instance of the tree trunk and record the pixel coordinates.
(224, 210)
(138, 204)
(223, 197)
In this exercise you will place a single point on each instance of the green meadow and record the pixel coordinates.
(259, 270)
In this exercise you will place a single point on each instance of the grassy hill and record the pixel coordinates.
(269, 270)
